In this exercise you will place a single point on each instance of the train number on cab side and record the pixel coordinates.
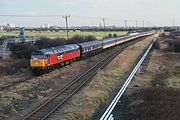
(59, 57)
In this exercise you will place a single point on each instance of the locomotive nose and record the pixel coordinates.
(37, 63)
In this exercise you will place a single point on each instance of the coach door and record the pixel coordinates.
(49, 61)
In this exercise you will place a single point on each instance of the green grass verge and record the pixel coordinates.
(63, 33)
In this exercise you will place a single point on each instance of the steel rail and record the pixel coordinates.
(107, 114)
(58, 98)
(99, 65)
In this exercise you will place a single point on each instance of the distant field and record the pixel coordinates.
(62, 33)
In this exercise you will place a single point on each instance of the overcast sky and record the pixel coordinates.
(90, 12)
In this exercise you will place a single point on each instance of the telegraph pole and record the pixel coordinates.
(67, 29)
(104, 22)
(125, 24)
(143, 24)
(173, 22)
(136, 24)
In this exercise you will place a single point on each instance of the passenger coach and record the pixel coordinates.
(107, 43)
(89, 48)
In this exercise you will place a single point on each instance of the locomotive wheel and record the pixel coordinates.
(67, 62)
(62, 64)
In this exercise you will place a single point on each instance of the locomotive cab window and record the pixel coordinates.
(47, 56)
(37, 56)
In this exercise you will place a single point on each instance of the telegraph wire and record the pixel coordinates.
(126, 21)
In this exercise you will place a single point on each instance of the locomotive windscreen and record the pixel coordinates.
(37, 55)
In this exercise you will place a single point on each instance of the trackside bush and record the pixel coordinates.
(114, 35)
(110, 35)
(156, 45)
(24, 50)
(174, 45)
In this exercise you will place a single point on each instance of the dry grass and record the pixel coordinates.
(37, 90)
(85, 104)
(155, 94)
(12, 66)
(155, 104)
(173, 82)
(160, 70)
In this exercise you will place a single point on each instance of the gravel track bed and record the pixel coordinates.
(86, 101)
(24, 97)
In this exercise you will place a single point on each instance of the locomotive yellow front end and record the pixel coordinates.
(37, 63)
(37, 60)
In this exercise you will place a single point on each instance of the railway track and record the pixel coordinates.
(45, 110)
(107, 115)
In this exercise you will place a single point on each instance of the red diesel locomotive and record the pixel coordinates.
(45, 58)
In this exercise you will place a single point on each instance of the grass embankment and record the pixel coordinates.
(63, 33)
(84, 105)
(154, 104)
(155, 94)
